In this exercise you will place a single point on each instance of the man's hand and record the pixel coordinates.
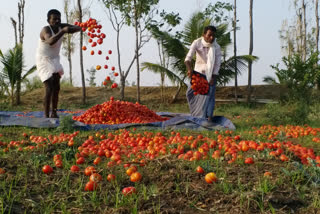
(71, 29)
(213, 80)
(189, 73)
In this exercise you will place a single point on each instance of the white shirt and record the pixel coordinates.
(201, 57)
(48, 59)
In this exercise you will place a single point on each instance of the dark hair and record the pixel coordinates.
(51, 12)
(209, 27)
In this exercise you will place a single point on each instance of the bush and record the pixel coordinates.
(66, 124)
(33, 84)
(294, 113)
(299, 76)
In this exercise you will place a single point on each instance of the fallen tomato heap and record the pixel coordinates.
(117, 112)
(199, 84)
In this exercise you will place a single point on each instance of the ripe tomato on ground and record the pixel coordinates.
(90, 186)
(131, 170)
(128, 191)
(74, 168)
(111, 177)
(2, 171)
(267, 174)
(46, 169)
(210, 177)
(249, 161)
(135, 177)
(58, 163)
(95, 177)
(200, 170)
(89, 170)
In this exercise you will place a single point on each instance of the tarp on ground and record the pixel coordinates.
(36, 119)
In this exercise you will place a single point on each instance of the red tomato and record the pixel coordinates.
(200, 169)
(80, 160)
(58, 163)
(284, 158)
(89, 170)
(249, 161)
(97, 161)
(135, 177)
(267, 174)
(57, 157)
(74, 168)
(128, 190)
(91, 186)
(210, 177)
(95, 177)
(131, 170)
(111, 177)
(47, 169)
(110, 52)
(2, 171)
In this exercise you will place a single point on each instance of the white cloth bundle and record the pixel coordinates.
(210, 58)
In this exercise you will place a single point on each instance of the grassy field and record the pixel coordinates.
(281, 177)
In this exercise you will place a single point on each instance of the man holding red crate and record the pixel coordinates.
(207, 64)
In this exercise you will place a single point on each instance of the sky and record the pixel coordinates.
(268, 16)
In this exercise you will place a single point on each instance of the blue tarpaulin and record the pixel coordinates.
(36, 119)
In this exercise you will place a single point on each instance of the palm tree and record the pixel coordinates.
(11, 73)
(176, 48)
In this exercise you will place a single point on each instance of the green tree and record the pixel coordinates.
(92, 76)
(138, 14)
(298, 75)
(13, 69)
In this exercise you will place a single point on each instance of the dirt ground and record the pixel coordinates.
(73, 95)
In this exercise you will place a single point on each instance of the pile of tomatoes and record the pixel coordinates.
(117, 112)
(199, 84)
(96, 38)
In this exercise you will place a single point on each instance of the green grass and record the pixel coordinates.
(168, 184)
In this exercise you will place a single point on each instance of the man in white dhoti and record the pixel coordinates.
(48, 59)
(208, 61)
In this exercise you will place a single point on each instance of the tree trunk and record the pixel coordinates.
(21, 5)
(304, 31)
(137, 49)
(14, 24)
(122, 73)
(162, 76)
(123, 85)
(175, 97)
(250, 53)
(21, 20)
(317, 25)
(235, 52)
(70, 66)
(81, 57)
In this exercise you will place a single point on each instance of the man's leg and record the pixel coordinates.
(47, 96)
(55, 94)
(211, 101)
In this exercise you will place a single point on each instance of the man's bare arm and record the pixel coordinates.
(71, 28)
(189, 67)
(48, 38)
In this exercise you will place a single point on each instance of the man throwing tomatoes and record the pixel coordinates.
(48, 59)
(208, 61)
